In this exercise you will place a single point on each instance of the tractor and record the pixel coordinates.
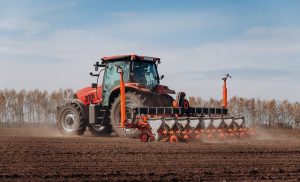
(98, 106)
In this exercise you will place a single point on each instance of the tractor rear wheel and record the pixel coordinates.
(166, 100)
(70, 120)
(132, 100)
(163, 100)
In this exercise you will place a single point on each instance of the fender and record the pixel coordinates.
(81, 105)
(128, 87)
(162, 89)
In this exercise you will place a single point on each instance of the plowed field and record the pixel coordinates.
(42, 154)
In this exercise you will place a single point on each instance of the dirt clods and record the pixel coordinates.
(36, 154)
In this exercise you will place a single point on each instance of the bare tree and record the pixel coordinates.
(20, 107)
(2, 107)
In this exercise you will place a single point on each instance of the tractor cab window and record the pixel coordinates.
(112, 78)
(144, 73)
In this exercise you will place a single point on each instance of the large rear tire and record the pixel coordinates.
(166, 100)
(70, 120)
(132, 100)
(163, 100)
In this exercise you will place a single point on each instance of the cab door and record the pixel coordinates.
(111, 79)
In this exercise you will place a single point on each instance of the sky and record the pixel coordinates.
(53, 44)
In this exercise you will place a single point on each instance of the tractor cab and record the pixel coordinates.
(138, 71)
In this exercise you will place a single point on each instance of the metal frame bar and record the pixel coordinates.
(180, 111)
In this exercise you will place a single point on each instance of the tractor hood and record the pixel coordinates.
(88, 95)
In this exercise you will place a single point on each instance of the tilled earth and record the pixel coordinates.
(42, 154)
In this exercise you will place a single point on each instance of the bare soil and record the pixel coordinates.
(43, 154)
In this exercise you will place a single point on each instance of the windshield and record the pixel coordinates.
(144, 73)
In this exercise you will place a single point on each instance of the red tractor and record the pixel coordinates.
(98, 107)
(131, 102)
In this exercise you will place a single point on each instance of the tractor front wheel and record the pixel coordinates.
(70, 120)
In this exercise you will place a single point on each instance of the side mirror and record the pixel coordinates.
(92, 74)
(94, 85)
(161, 77)
(96, 66)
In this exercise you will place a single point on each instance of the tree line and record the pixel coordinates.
(38, 108)
(28, 108)
(267, 113)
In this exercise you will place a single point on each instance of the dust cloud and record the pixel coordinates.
(31, 132)
(277, 134)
